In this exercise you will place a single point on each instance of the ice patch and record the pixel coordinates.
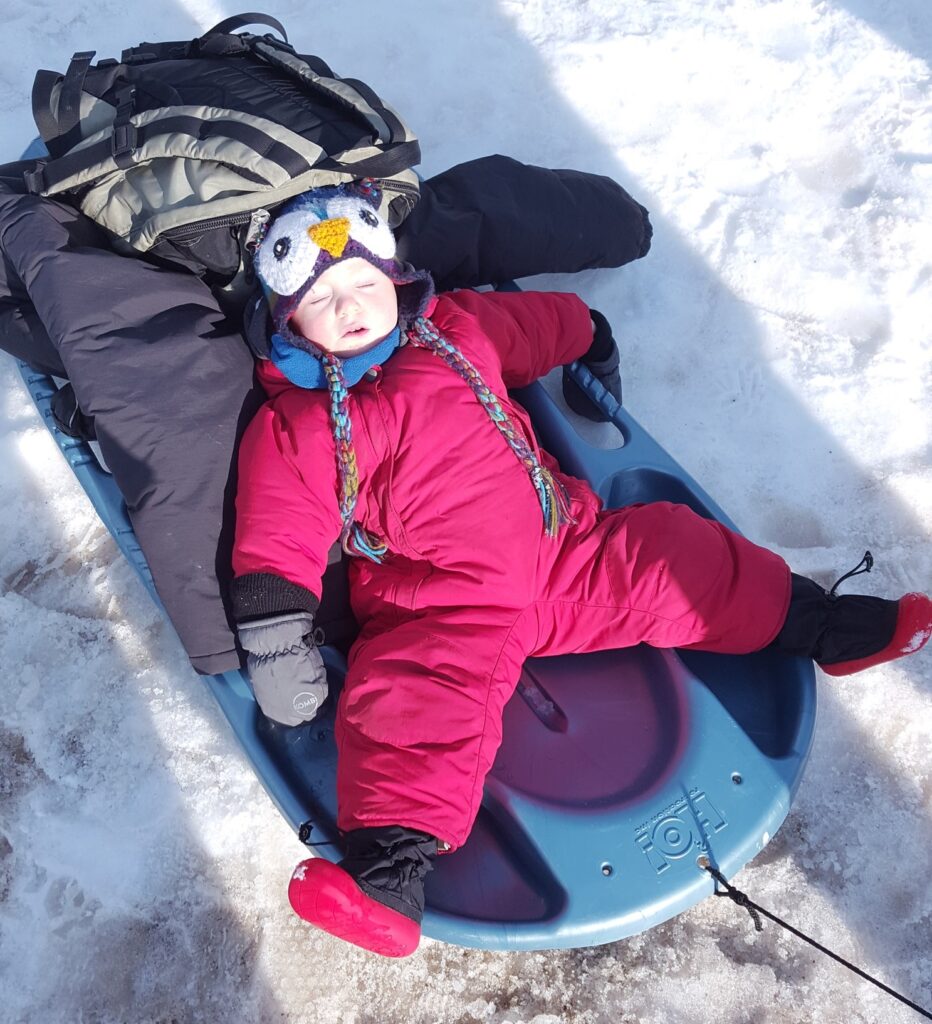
(300, 872)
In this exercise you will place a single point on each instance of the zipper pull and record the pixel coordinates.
(255, 232)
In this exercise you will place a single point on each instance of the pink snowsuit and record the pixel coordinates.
(472, 585)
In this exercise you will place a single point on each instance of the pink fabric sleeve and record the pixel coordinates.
(532, 332)
(287, 515)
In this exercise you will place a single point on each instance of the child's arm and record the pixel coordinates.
(532, 332)
(286, 521)
(287, 516)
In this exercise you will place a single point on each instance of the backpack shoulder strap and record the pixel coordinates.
(42, 87)
(58, 129)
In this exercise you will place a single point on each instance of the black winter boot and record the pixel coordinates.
(853, 632)
(390, 863)
(374, 897)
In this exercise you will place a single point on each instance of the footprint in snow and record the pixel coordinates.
(68, 907)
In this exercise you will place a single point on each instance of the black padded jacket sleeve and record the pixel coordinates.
(495, 219)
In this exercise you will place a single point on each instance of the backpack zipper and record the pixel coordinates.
(258, 219)
(258, 222)
(198, 228)
(402, 187)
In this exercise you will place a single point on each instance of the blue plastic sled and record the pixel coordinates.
(617, 772)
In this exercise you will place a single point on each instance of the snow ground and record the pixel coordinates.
(776, 340)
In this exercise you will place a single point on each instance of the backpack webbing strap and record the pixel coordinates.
(61, 173)
(392, 161)
(69, 99)
(60, 133)
(124, 138)
(397, 129)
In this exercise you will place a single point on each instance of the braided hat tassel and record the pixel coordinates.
(354, 539)
(554, 501)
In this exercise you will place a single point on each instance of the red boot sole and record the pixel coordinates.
(328, 897)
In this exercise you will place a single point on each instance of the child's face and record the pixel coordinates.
(351, 308)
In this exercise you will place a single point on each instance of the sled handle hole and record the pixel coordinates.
(607, 870)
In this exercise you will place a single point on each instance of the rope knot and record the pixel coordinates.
(735, 895)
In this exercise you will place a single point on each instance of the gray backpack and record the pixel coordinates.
(181, 150)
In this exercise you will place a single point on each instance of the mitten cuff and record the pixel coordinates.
(277, 635)
(602, 356)
(257, 595)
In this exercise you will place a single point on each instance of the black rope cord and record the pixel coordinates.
(755, 910)
(865, 565)
(304, 834)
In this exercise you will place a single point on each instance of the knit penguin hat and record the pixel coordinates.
(319, 229)
(326, 226)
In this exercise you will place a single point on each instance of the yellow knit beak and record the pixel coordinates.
(331, 235)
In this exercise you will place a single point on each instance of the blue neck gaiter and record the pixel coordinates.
(307, 371)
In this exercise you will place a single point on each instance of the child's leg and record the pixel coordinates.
(661, 574)
(374, 898)
(418, 727)
(849, 633)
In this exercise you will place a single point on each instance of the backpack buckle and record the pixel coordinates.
(124, 139)
(35, 179)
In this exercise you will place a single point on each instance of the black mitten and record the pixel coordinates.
(602, 361)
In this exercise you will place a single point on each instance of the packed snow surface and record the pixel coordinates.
(776, 340)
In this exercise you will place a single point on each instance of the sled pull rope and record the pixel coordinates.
(755, 910)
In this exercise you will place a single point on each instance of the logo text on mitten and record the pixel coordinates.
(305, 703)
